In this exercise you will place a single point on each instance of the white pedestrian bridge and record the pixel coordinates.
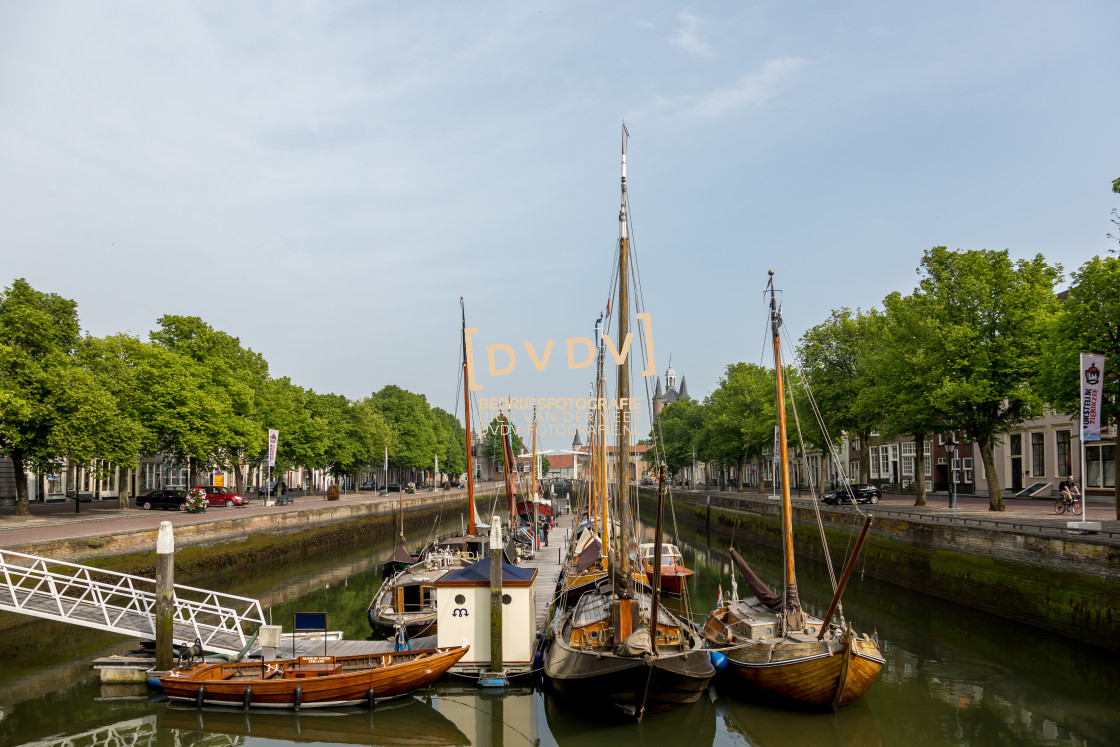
(122, 603)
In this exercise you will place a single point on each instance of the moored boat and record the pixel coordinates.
(310, 681)
(775, 649)
(618, 649)
(674, 573)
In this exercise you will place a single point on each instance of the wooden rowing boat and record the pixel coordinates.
(310, 681)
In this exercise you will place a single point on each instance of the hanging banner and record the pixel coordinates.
(273, 438)
(1092, 385)
(777, 446)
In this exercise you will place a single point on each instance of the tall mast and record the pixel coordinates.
(507, 451)
(467, 409)
(534, 458)
(623, 371)
(793, 618)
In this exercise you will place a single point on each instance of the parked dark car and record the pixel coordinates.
(454, 484)
(368, 486)
(863, 493)
(272, 488)
(216, 495)
(391, 488)
(647, 481)
(175, 500)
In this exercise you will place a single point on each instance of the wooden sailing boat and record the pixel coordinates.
(405, 605)
(310, 681)
(617, 648)
(773, 647)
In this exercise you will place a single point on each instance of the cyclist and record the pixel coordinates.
(1067, 489)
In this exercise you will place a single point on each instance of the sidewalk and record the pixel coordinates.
(1037, 512)
(55, 521)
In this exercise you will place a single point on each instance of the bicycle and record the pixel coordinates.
(1073, 506)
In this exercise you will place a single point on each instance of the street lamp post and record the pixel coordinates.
(951, 447)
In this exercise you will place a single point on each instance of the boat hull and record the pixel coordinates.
(274, 684)
(620, 684)
(807, 674)
(673, 579)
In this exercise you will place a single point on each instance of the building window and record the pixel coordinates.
(874, 464)
(1100, 466)
(1016, 444)
(908, 451)
(1038, 454)
(855, 443)
(853, 471)
(1064, 465)
(967, 461)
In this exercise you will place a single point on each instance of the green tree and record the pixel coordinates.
(1089, 322)
(452, 442)
(679, 428)
(906, 373)
(304, 429)
(739, 418)
(545, 465)
(236, 376)
(492, 440)
(835, 356)
(158, 390)
(53, 409)
(992, 318)
(407, 415)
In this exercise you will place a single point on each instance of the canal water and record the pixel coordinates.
(952, 677)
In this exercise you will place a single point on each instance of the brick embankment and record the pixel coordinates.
(1021, 568)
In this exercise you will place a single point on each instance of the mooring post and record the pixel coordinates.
(165, 591)
(495, 595)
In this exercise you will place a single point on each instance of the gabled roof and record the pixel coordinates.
(683, 394)
(478, 574)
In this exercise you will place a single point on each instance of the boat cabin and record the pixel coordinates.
(670, 555)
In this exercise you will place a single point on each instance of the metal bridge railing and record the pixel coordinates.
(122, 603)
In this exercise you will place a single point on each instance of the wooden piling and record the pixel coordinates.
(165, 592)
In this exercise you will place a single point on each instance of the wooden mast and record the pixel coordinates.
(792, 616)
(623, 372)
(507, 454)
(467, 403)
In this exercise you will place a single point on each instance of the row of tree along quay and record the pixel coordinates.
(192, 392)
(983, 344)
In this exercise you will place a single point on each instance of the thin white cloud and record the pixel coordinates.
(753, 90)
(687, 35)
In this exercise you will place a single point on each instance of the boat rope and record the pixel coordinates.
(813, 492)
(833, 450)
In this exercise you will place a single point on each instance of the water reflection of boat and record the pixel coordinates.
(405, 722)
(853, 726)
(693, 725)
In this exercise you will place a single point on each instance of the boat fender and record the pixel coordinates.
(200, 696)
(247, 696)
(370, 699)
(719, 661)
(538, 659)
(298, 699)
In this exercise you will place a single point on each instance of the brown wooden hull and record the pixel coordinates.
(673, 578)
(807, 674)
(286, 684)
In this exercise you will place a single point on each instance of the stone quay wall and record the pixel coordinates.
(1069, 585)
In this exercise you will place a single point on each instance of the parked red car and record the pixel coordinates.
(219, 496)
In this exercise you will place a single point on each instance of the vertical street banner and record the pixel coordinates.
(273, 439)
(1092, 386)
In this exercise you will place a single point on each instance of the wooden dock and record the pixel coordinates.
(547, 562)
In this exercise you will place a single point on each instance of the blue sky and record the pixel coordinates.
(325, 180)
